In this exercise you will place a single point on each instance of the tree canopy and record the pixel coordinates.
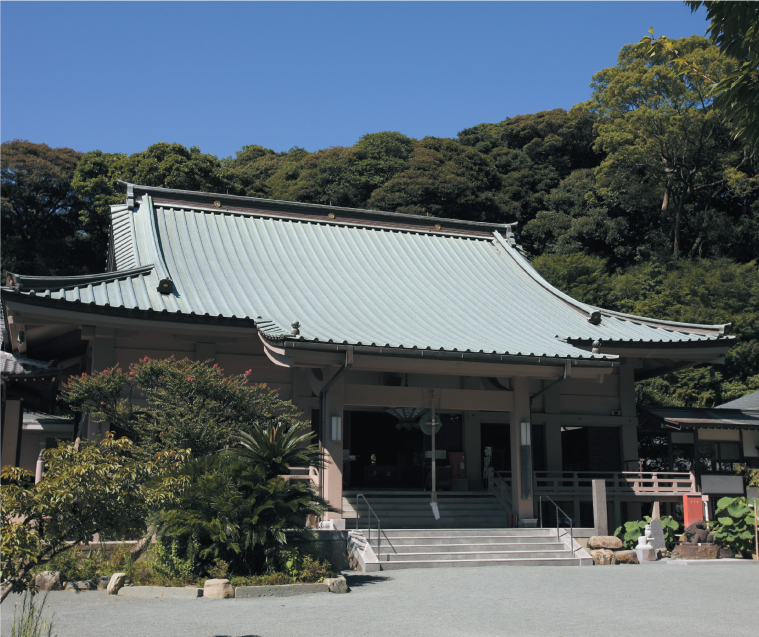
(651, 172)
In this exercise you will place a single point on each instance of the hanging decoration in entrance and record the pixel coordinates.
(408, 417)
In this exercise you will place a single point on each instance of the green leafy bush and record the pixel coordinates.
(635, 528)
(168, 568)
(270, 579)
(233, 511)
(304, 568)
(734, 527)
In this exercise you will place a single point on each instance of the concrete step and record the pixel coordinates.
(428, 532)
(447, 549)
(443, 523)
(465, 541)
(394, 547)
(472, 555)
(560, 561)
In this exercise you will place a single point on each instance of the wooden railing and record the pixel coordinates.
(625, 483)
(304, 473)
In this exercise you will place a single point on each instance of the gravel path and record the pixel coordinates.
(695, 599)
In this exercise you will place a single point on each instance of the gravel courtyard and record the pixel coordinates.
(694, 599)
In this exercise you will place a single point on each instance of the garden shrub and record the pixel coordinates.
(635, 528)
(233, 512)
(168, 568)
(734, 527)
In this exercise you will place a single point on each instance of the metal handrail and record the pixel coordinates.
(379, 524)
(571, 523)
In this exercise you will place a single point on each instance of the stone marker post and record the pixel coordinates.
(600, 519)
(657, 534)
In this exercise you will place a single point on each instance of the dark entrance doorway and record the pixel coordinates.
(388, 457)
(497, 436)
(591, 449)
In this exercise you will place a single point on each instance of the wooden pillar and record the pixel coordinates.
(552, 402)
(522, 506)
(333, 472)
(103, 354)
(473, 450)
(13, 422)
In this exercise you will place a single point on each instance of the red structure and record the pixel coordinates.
(693, 508)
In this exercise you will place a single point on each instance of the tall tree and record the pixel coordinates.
(162, 164)
(42, 233)
(734, 29)
(664, 140)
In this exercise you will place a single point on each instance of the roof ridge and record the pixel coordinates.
(480, 225)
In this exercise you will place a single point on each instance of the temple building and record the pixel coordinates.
(367, 321)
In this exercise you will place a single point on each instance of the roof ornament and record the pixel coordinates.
(595, 318)
(596, 346)
(296, 328)
(165, 286)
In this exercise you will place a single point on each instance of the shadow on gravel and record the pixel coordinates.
(363, 580)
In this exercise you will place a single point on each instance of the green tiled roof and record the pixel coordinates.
(346, 276)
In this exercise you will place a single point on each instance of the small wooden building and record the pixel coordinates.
(352, 313)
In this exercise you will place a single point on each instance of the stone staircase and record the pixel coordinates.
(398, 510)
(435, 548)
(471, 531)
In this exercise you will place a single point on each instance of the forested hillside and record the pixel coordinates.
(640, 200)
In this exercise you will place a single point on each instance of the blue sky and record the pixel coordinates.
(120, 76)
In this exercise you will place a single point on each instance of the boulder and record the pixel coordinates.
(103, 582)
(49, 581)
(626, 557)
(218, 589)
(602, 557)
(337, 584)
(605, 542)
(82, 585)
(116, 583)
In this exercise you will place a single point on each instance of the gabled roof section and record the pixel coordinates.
(353, 277)
(703, 417)
(19, 366)
(750, 402)
(123, 249)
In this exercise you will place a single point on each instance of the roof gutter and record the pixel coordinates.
(323, 403)
(556, 383)
(408, 352)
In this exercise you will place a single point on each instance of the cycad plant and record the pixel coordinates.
(235, 511)
(277, 446)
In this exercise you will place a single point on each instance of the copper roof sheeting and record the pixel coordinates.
(426, 287)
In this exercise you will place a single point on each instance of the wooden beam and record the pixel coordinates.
(583, 420)
(453, 399)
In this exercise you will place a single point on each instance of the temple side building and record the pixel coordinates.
(367, 320)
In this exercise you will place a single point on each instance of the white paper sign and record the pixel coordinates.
(435, 510)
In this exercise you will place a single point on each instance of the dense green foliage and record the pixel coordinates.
(641, 199)
(631, 531)
(170, 404)
(87, 490)
(233, 512)
(735, 525)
